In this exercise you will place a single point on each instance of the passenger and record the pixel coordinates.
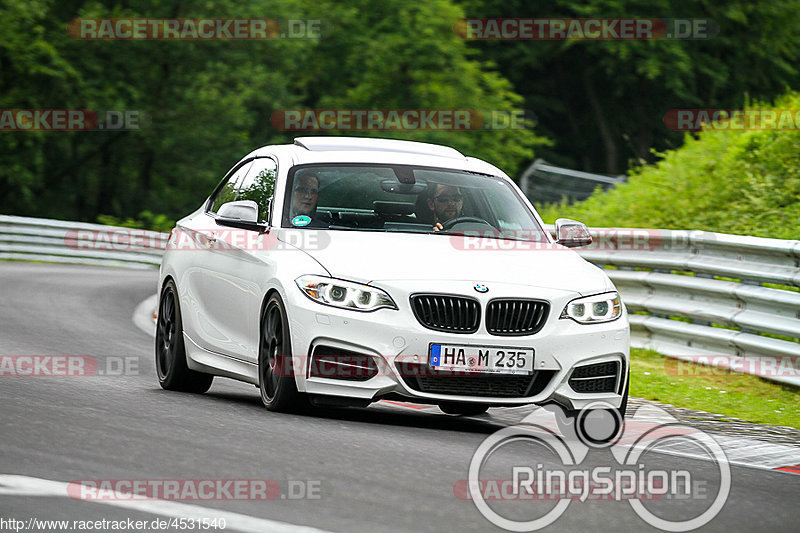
(306, 193)
(304, 201)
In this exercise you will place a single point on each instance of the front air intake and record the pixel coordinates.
(336, 363)
(597, 377)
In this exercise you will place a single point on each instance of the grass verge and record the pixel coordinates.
(662, 379)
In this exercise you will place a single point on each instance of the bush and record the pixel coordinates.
(145, 220)
(742, 182)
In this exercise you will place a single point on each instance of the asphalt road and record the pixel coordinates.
(384, 468)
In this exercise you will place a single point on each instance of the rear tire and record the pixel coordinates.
(171, 367)
(275, 370)
(463, 409)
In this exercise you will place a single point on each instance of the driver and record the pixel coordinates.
(445, 202)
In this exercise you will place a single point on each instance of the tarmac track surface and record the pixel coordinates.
(384, 468)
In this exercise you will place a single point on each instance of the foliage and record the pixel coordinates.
(397, 54)
(144, 220)
(207, 103)
(260, 191)
(693, 386)
(600, 104)
(603, 101)
(730, 181)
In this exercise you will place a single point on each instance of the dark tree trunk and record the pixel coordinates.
(602, 125)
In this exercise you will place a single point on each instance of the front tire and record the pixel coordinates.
(275, 373)
(171, 367)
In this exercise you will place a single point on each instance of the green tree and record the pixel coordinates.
(603, 101)
(209, 102)
(403, 54)
(725, 180)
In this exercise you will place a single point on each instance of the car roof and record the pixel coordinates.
(362, 144)
(329, 149)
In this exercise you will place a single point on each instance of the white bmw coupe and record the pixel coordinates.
(342, 271)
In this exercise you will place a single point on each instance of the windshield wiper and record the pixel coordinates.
(334, 226)
(351, 228)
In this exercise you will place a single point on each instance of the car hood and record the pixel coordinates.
(367, 257)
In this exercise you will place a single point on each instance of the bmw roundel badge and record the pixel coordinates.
(480, 287)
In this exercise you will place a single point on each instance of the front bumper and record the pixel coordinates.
(397, 343)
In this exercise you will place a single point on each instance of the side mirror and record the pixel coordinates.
(242, 210)
(572, 234)
(241, 214)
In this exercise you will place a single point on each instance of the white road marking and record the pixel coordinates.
(740, 451)
(14, 485)
(143, 315)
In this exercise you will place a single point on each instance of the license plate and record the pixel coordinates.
(489, 359)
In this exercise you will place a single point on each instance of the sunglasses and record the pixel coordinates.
(447, 198)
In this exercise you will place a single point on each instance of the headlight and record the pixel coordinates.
(344, 294)
(594, 309)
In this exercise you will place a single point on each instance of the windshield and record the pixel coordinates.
(406, 199)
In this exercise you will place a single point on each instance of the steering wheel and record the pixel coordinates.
(458, 220)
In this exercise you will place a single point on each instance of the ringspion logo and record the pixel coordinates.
(551, 468)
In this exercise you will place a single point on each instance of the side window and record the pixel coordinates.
(228, 191)
(259, 185)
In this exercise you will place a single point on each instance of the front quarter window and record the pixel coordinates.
(228, 191)
(259, 186)
(255, 180)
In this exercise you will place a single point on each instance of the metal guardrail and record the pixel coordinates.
(689, 293)
(547, 183)
(695, 295)
(59, 241)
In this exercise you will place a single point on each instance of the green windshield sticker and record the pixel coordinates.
(301, 220)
